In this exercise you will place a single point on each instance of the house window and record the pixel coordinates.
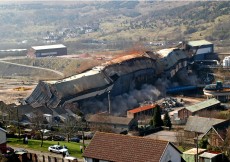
(95, 160)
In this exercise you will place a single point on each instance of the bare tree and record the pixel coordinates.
(38, 124)
(180, 138)
(70, 126)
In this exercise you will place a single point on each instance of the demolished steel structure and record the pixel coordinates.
(116, 76)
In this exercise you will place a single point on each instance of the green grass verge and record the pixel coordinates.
(73, 147)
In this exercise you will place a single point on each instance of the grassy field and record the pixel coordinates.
(73, 147)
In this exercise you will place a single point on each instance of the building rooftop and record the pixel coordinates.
(143, 108)
(121, 59)
(193, 151)
(48, 47)
(124, 148)
(201, 124)
(107, 119)
(202, 105)
(199, 43)
(208, 155)
(3, 130)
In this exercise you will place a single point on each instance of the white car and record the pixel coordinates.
(57, 149)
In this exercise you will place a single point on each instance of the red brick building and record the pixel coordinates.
(146, 110)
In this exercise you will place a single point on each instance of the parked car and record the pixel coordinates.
(75, 139)
(9, 149)
(20, 151)
(57, 149)
(58, 138)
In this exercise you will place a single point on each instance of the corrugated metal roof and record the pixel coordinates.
(125, 58)
(173, 57)
(48, 47)
(201, 124)
(203, 105)
(143, 108)
(208, 155)
(199, 43)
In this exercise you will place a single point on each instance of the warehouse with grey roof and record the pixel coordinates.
(47, 51)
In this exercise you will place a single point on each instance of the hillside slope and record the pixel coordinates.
(113, 22)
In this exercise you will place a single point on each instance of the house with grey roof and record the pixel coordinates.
(198, 108)
(103, 122)
(200, 125)
(108, 147)
(218, 135)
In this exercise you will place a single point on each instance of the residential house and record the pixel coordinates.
(198, 108)
(200, 125)
(106, 147)
(218, 135)
(3, 140)
(113, 123)
(27, 114)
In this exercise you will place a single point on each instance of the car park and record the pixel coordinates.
(75, 139)
(58, 138)
(57, 149)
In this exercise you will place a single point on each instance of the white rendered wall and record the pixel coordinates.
(171, 154)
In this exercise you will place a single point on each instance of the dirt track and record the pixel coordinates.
(13, 89)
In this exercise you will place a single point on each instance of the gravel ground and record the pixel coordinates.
(164, 135)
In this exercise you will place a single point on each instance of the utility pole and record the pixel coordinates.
(196, 146)
(109, 102)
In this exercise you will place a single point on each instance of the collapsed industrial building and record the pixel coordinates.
(117, 76)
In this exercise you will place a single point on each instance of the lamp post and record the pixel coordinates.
(109, 102)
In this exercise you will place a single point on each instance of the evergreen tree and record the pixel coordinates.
(167, 121)
(157, 121)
